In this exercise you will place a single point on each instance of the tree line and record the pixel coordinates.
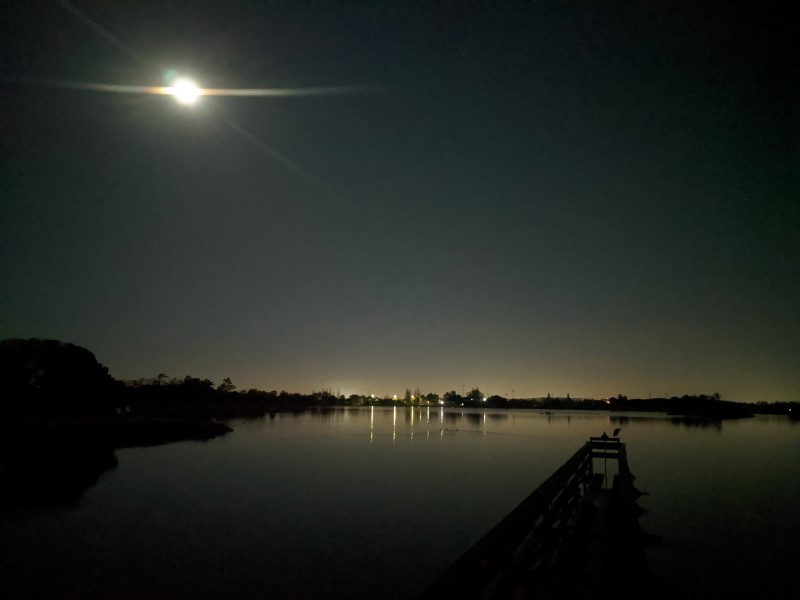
(49, 378)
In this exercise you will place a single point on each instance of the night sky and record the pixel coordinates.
(589, 198)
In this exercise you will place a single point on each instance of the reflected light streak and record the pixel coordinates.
(428, 422)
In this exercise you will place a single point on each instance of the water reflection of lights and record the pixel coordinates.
(428, 421)
(416, 420)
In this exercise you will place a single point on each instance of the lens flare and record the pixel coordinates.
(185, 91)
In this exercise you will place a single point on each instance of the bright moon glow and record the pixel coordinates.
(185, 91)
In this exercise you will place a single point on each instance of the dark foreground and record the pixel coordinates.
(45, 463)
(573, 537)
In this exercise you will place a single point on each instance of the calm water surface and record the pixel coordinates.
(375, 502)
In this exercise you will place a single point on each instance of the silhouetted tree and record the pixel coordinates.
(497, 401)
(432, 398)
(226, 386)
(51, 378)
(475, 396)
(452, 398)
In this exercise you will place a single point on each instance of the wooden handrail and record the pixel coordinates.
(528, 538)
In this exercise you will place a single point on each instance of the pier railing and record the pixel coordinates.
(531, 540)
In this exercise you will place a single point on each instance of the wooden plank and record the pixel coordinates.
(605, 444)
(605, 439)
(606, 455)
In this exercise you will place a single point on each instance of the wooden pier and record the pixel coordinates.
(575, 536)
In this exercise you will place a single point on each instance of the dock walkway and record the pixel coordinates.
(573, 537)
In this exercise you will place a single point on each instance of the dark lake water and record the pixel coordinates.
(374, 503)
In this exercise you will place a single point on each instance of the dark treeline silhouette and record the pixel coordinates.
(191, 397)
(51, 379)
(701, 405)
(778, 408)
(48, 378)
(63, 417)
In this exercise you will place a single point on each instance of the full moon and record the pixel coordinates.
(185, 91)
